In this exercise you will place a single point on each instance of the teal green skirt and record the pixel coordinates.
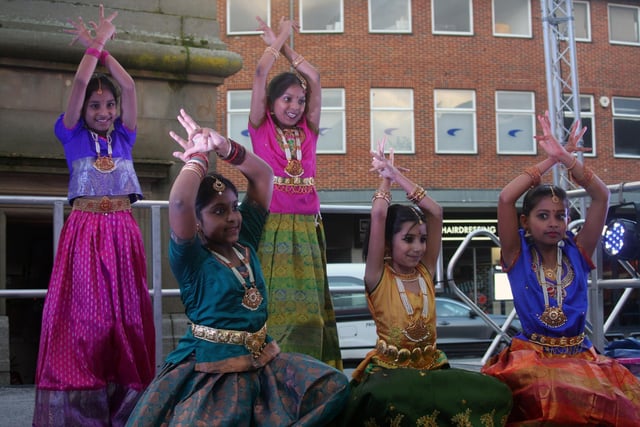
(442, 397)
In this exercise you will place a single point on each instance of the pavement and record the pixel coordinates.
(16, 401)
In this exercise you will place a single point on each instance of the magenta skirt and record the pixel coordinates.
(97, 345)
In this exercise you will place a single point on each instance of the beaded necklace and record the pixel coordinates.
(291, 140)
(553, 317)
(418, 330)
(252, 297)
(104, 164)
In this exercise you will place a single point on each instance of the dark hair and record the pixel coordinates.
(100, 81)
(279, 84)
(206, 192)
(396, 216)
(533, 196)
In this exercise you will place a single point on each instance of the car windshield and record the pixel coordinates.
(448, 308)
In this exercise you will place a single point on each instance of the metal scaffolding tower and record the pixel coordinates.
(561, 71)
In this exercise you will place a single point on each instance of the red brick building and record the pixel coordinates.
(490, 52)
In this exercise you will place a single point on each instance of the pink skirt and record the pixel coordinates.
(97, 325)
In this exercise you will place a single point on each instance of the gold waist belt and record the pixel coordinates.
(102, 205)
(557, 341)
(253, 341)
(402, 355)
(281, 180)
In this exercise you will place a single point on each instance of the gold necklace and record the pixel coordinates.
(252, 297)
(292, 139)
(553, 317)
(407, 277)
(419, 329)
(104, 164)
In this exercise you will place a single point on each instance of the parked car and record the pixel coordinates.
(460, 331)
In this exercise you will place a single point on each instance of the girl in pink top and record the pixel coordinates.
(283, 124)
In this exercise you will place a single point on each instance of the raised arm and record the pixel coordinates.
(196, 148)
(265, 63)
(95, 46)
(590, 233)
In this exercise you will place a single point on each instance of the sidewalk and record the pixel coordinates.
(16, 402)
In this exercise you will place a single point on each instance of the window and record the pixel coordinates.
(241, 15)
(321, 16)
(332, 122)
(581, 22)
(390, 16)
(623, 24)
(626, 127)
(392, 118)
(452, 16)
(586, 119)
(512, 18)
(238, 105)
(455, 116)
(515, 122)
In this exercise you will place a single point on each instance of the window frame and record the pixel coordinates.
(376, 138)
(526, 34)
(342, 110)
(332, 31)
(442, 110)
(266, 18)
(451, 33)
(245, 140)
(530, 111)
(408, 30)
(610, 26)
(616, 116)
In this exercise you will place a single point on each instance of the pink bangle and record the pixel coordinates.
(93, 52)
(103, 57)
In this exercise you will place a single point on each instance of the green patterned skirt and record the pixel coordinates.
(292, 253)
(442, 397)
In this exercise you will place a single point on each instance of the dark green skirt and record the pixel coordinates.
(443, 397)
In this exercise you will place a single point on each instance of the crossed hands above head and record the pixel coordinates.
(550, 144)
(83, 34)
(383, 165)
(199, 140)
(285, 26)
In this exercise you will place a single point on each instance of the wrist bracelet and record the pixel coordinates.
(534, 174)
(272, 51)
(417, 194)
(381, 194)
(587, 177)
(299, 60)
(573, 164)
(236, 153)
(91, 51)
(103, 56)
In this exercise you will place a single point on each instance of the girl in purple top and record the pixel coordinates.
(97, 345)
(283, 124)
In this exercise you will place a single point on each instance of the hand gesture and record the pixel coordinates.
(383, 165)
(105, 29)
(575, 135)
(548, 142)
(199, 140)
(267, 33)
(82, 34)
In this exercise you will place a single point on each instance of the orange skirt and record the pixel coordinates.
(581, 389)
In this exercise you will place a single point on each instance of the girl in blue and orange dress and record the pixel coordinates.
(556, 376)
(97, 345)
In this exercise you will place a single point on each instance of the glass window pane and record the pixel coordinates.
(515, 134)
(332, 98)
(451, 16)
(241, 15)
(332, 132)
(623, 24)
(626, 106)
(626, 133)
(458, 99)
(321, 15)
(389, 15)
(237, 128)
(586, 119)
(239, 100)
(396, 127)
(512, 17)
(455, 133)
(391, 98)
(515, 101)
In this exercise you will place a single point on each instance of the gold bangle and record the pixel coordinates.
(587, 177)
(534, 174)
(573, 164)
(417, 194)
(299, 60)
(273, 52)
(381, 194)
